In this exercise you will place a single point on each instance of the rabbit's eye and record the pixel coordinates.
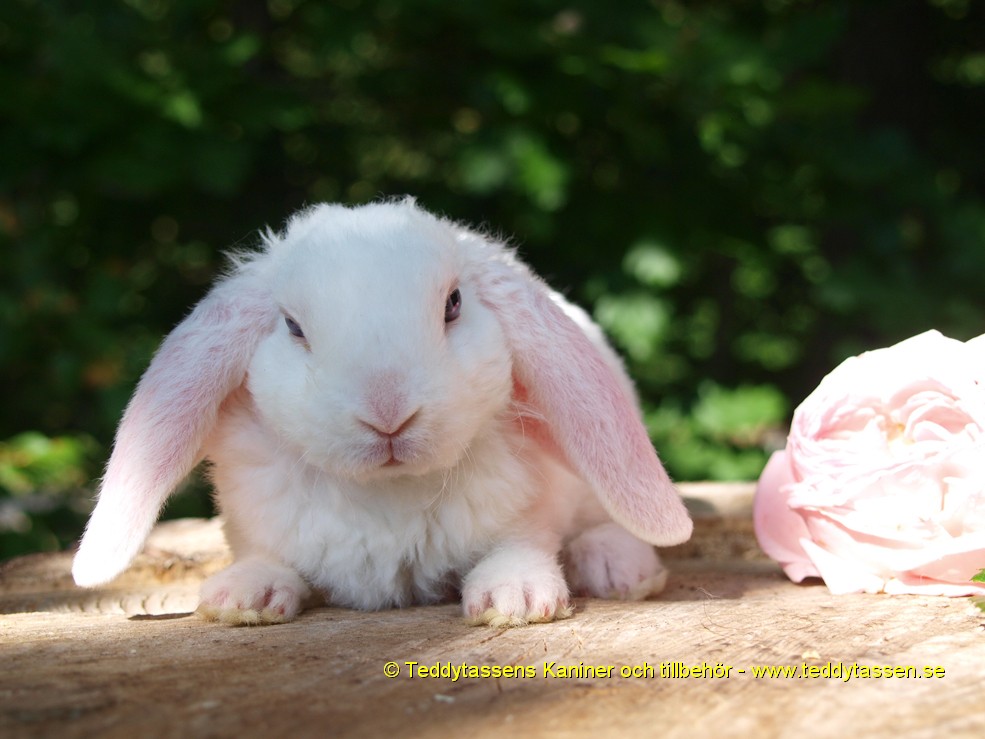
(453, 306)
(293, 327)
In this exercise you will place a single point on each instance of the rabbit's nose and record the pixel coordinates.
(390, 429)
(387, 407)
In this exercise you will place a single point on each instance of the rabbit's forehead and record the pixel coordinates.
(327, 269)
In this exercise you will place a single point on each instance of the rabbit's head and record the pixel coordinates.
(383, 360)
(379, 341)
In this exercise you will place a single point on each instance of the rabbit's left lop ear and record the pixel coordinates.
(588, 409)
(171, 413)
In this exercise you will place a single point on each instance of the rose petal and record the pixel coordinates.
(905, 584)
(779, 529)
(878, 555)
(842, 575)
(956, 568)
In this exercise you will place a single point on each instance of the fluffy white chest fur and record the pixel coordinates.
(396, 541)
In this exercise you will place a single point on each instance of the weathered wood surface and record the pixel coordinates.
(130, 660)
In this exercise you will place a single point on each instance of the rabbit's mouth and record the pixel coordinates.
(396, 454)
(392, 462)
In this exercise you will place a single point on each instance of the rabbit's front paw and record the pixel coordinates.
(514, 588)
(252, 592)
(606, 561)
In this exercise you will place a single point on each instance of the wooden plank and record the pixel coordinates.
(74, 664)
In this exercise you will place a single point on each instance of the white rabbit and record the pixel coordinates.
(395, 409)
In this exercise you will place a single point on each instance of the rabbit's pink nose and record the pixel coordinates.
(390, 429)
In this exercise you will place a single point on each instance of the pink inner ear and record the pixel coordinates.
(176, 404)
(173, 409)
(587, 410)
(535, 427)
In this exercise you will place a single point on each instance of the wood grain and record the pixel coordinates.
(130, 660)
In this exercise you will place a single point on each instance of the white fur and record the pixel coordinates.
(606, 561)
(385, 458)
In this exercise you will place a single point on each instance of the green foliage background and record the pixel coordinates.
(743, 191)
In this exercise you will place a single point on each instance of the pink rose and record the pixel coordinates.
(881, 487)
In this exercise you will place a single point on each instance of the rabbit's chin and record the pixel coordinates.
(388, 461)
(369, 475)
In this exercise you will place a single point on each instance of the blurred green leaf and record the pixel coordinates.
(32, 462)
(638, 322)
(739, 415)
(653, 265)
(42, 490)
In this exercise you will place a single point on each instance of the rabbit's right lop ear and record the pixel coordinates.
(585, 403)
(171, 413)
